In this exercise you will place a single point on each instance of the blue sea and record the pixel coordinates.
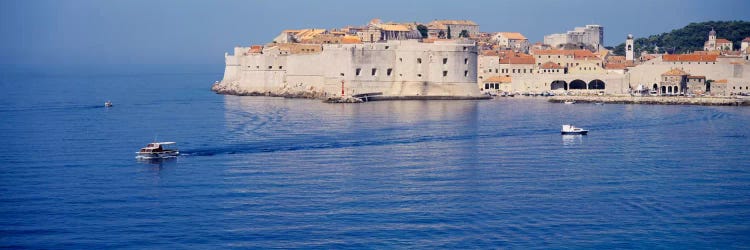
(262, 172)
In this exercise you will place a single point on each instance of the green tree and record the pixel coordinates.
(690, 38)
(464, 33)
(422, 30)
(449, 32)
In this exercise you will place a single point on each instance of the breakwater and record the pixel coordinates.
(665, 100)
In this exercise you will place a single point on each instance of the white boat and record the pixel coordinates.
(570, 102)
(157, 150)
(108, 104)
(568, 129)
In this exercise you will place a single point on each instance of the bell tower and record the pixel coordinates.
(629, 48)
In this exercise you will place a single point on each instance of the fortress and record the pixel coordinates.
(403, 69)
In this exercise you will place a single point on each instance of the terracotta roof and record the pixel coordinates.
(255, 49)
(350, 39)
(746, 40)
(722, 40)
(721, 81)
(499, 79)
(696, 77)
(648, 57)
(689, 58)
(309, 33)
(509, 57)
(513, 35)
(394, 27)
(455, 22)
(550, 65)
(675, 72)
(577, 54)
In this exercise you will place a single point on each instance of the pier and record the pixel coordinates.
(665, 100)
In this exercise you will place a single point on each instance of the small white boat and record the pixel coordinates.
(157, 150)
(568, 129)
(108, 104)
(570, 102)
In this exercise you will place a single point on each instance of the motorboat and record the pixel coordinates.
(108, 104)
(569, 102)
(157, 150)
(568, 129)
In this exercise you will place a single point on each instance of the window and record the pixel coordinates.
(465, 48)
(514, 71)
(389, 71)
(419, 60)
(495, 70)
(374, 71)
(486, 86)
(386, 47)
(445, 73)
(280, 67)
(270, 67)
(358, 71)
(466, 60)
(466, 73)
(419, 75)
(400, 59)
(445, 60)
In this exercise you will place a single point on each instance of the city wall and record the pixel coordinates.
(394, 68)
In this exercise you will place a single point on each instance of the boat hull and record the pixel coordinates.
(159, 155)
(574, 132)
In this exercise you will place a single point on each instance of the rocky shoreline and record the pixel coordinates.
(663, 100)
(234, 89)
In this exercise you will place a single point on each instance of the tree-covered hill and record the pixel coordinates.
(690, 38)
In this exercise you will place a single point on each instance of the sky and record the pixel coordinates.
(81, 32)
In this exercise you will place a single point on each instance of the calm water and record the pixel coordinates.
(292, 173)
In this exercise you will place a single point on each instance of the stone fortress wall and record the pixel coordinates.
(400, 68)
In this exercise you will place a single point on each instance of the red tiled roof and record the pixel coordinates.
(509, 57)
(255, 49)
(696, 77)
(550, 65)
(499, 79)
(689, 58)
(577, 54)
(722, 40)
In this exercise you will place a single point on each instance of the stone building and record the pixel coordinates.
(572, 61)
(591, 35)
(497, 84)
(452, 28)
(673, 82)
(697, 85)
(511, 40)
(719, 44)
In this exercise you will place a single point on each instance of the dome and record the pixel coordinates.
(712, 32)
(630, 36)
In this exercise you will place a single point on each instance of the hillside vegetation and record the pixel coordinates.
(690, 38)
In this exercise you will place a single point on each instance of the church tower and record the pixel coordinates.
(629, 48)
(711, 43)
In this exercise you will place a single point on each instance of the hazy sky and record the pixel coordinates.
(199, 32)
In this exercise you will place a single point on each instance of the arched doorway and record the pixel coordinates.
(669, 89)
(656, 87)
(596, 84)
(663, 89)
(558, 84)
(577, 84)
